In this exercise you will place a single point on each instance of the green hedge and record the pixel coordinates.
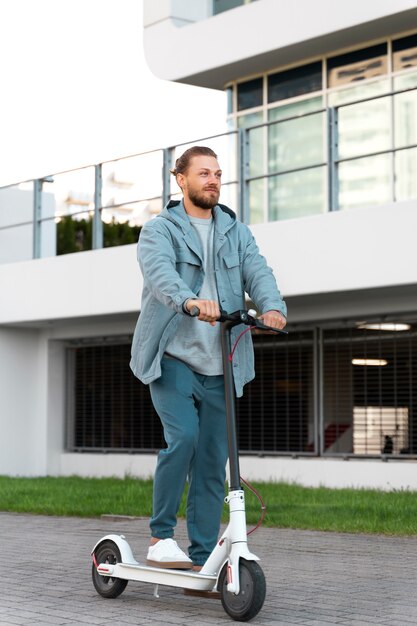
(76, 235)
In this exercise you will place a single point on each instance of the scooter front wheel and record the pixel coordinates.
(106, 586)
(249, 601)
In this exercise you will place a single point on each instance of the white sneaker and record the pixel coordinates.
(166, 553)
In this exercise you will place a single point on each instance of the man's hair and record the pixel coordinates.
(183, 162)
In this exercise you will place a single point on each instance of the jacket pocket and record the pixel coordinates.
(188, 266)
(232, 262)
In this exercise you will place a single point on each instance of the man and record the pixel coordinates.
(195, 253)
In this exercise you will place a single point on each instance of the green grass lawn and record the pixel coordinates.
(288, 506)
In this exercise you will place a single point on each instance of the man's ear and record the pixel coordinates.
(180, 180)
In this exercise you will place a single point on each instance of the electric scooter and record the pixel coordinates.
(231, 568)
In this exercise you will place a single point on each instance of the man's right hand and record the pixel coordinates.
(209, 310)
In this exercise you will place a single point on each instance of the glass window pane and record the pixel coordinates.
(256, 201)
(295, 108)
(365, 182)
(337, 394)
(74, 233)
(357, 65)
(276, 412)
(407, 80)
(374, 401)
(406, 174)
(298, 142)
(295, 82)
(256, 152)
(297, 194)
(256, 142)
(131, 195)
(350, 94)
(405, 117)
(72, 194)
(250, 94)
(404, 52)
(121, 225)
(250, 119)
(364, 128)
(132, 179)
(229, 196)
(16, 223)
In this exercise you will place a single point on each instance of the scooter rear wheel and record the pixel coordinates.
(249, 601)
(106, 586)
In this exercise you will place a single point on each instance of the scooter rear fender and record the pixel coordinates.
(125, 549)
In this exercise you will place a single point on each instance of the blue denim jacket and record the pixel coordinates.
(170, 259)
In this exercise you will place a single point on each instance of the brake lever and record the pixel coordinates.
(258, 324)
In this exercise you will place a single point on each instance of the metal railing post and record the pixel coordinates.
(393, 156)
(37, 217)
(166, 174)
(243, 174)
(97, 221)
(333, 155)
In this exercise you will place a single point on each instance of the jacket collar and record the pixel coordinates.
(224, 218)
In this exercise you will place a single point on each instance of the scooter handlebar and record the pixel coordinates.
(240, 317)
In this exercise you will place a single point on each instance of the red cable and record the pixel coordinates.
(263, 506)
(238, 339)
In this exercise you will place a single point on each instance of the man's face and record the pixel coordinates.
(202, 181)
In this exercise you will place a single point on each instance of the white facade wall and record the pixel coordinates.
(332, 473)
(84, 284)
(23, 393)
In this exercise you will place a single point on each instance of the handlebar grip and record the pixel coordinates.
(194, 311)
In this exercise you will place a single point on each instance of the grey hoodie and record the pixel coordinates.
(169, 254)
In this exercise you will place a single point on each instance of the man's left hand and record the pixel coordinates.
(274, 319)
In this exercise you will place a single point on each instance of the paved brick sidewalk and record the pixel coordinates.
(312, 578)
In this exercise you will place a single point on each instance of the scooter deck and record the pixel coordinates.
(159, 576)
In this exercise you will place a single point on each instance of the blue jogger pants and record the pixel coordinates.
(192, 411)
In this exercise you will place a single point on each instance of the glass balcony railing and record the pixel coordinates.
(305, 160)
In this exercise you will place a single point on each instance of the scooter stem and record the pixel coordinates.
(229, 389)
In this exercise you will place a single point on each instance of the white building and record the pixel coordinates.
(321, 161)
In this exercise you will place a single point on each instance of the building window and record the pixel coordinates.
(370, 389)
(312, 163)
(295, 82)
(108, 408)
(276, 412)
(358, 65)
(404, 53)
(351, 385)
(250, 94)
(364, 128)
(295, 142)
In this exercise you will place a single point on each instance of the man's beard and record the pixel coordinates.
(203, 202)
